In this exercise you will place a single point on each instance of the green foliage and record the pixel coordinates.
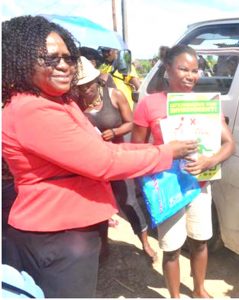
(143, 66)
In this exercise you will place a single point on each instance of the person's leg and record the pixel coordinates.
(198, 260)
(199, 228)
(125, 195)
(171, 272)
(172, 235)
(63, 264)
(143, 236)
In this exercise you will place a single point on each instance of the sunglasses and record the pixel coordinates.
(54, 60)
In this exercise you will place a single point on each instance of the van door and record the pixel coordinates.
(226, 195)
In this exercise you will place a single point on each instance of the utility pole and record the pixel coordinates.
(114, 16)
(124, 21)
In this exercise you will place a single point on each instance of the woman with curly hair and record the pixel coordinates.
(61, 165)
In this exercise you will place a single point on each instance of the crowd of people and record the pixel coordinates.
(73, 146)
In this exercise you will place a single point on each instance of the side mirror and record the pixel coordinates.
(124, 61)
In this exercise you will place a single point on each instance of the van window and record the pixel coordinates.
(217, 66)
(213, 37)
(216, 73)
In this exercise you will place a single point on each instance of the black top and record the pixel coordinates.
(108, 117)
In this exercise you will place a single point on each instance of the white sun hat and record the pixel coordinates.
(86, 71)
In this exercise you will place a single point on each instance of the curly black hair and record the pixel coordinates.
(22, 39)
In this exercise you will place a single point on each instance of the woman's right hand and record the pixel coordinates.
(183, 148)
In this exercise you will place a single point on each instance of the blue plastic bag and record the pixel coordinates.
(167, 192)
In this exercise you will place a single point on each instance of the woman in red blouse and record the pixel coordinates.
(61, 166)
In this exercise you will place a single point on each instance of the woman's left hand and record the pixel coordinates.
(108, 134)
(202, 164)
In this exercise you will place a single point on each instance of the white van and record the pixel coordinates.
(217, 45)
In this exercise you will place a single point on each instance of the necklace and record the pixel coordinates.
(95, 102)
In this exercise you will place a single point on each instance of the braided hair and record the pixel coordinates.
(23, 38)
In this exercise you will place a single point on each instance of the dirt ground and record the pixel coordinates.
(127, 273)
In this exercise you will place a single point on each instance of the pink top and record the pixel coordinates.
(62, 166)
(148, 113)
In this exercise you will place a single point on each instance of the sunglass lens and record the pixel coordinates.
(53, 61)
(70, 60)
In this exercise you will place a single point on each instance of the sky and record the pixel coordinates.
(150, 23)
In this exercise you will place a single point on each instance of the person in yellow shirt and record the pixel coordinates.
(128, 82)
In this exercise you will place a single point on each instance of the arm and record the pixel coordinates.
(140, 134)
(62, 135)
(227, 149)
(135, 82)
(120, 102)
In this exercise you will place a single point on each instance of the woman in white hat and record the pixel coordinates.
(109, 111)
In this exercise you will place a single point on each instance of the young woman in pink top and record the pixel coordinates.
(195, 221)
(61, 165)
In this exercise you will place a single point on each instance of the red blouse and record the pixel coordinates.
(62, 167)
